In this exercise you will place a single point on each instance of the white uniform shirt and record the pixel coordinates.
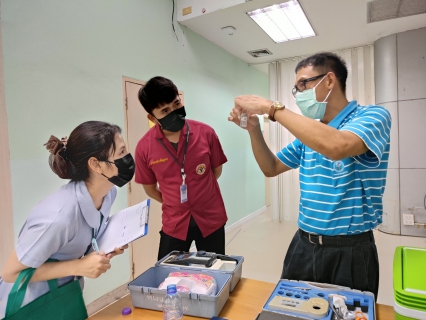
(59, 227)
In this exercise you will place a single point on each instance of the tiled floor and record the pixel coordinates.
(263, 244)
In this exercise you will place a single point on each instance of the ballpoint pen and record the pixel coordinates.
(95, 245)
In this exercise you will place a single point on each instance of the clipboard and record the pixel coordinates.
(125, 227)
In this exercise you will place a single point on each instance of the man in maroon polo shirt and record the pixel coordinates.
(178, 163)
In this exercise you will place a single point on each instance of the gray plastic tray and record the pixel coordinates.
(145, 293)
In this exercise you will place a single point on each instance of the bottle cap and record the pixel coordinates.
(171, 289)
(126, 311)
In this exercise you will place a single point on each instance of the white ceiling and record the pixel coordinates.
(339, 24)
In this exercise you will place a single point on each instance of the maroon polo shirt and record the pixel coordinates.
(154, 164)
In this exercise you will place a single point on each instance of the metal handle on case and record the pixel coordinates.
(227, 258)
(324, 286)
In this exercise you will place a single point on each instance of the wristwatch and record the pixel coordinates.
(274, 107)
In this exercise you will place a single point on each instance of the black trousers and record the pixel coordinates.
(214, 242)
(349, 261)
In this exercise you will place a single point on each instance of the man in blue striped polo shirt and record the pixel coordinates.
(343, 159)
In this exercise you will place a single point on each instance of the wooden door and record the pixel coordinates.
(144, 251)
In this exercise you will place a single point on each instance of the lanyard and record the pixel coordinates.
(94, 235)
(100, 226)
(182, 170)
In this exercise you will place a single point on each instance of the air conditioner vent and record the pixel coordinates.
(260, 53)
(380, 10)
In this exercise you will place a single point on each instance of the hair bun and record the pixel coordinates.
(54, 145)
(57, 162)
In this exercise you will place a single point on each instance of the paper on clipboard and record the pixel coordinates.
(125, 226)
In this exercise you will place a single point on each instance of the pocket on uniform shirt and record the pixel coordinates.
(199, 167)
(212, 210)
(170, 216)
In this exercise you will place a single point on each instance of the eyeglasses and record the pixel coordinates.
(302, 84)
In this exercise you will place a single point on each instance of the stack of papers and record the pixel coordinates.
(125, 227)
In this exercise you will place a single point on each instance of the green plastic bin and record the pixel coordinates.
(409, 283)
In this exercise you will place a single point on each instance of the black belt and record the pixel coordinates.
(344, 240)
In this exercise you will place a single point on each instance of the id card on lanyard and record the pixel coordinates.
(183, 187)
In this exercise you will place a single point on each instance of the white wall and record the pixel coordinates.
(401, 88)
(64, 62)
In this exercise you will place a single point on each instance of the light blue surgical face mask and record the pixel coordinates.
(308, 104)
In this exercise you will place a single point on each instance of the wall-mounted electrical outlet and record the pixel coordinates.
(408, 219)
(187, 10)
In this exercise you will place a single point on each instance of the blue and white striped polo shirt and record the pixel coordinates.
(344, 197)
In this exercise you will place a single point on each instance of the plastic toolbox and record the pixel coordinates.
(145, 293)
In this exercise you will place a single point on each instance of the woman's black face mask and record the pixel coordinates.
(174, 121)
(126, 170)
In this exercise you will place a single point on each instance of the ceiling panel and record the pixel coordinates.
(339, 24)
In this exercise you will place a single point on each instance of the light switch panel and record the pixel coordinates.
(408, 219)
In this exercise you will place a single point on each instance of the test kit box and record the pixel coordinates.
(145, 293)
(292, 300)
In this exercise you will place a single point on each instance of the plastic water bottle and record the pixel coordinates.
(172, 304)
(243, 120)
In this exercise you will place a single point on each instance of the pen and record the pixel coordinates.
(95, 245)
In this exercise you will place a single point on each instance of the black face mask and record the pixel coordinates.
(126, 170)
(174, 121)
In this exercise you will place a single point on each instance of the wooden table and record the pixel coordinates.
(244, 303)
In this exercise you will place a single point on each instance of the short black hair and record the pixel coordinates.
(327, 62)
(157, 92)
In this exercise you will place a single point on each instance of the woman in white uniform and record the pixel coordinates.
(94, 158)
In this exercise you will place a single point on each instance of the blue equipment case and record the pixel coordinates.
(299, 292)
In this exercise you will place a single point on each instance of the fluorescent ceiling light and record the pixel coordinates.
(283, 22)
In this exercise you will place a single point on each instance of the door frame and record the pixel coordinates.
(126, 79)
(7, 239)
(126, 126)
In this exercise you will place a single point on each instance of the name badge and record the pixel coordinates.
(183, 193)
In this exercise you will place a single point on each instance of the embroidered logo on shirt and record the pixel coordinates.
(201, 168)
(161, 160)
(338, 166)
